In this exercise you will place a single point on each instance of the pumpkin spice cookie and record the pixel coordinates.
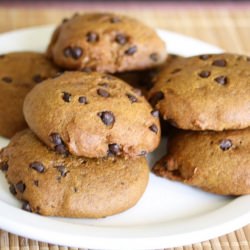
(143, 80)
(217, 162)
(140, 80)
(19, 73)
(92, 115)
(206, 92)
(55, 185)
(105, 42)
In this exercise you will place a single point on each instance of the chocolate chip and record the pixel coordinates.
(114, 149)
(82, 99)
(226, 144)
(2, 55)
(132, 98)
(156, 98)
(37, 78)
(121, 39)
(130, 51)
(20, 186)
(155, 113)
(38, 166)
(56, 138)
(115, 19)
(103, 93)
(154, 128)
(221, 80)
(175, 71)
(74, 52)
(92, 37)
(60, 146)
(36, 183)
(7, 79)
(107, 117)
(204, 74)
(62, 169)
(154, 57)
(61, 149)
(26, 206)
(204, 57)
(12, 189)
(66, 97)
(219, 63)
(4, 166)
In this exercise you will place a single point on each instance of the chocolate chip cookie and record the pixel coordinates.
(206, 92)
(19, 73)
(140, 80)
(105, 42)
(143, 80)
(92, 115)
(55, 185)
(217, 162)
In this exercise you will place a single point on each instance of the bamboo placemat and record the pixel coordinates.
(224, 25)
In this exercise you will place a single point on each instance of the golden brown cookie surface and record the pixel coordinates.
(106, 42)
(54, 185)
(217, 162)
(92, 115)
(207, 92)
(19, 73)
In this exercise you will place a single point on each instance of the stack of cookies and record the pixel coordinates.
(83, 154)
(208, 97)
(85, 133)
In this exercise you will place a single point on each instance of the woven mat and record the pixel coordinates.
(227, 26)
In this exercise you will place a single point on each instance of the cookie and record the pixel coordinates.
(105, 42)
(140, 80)
(55, 185)
(217, 162)
(92, 115)
(143, 80)
(206, 92)
(19, 73)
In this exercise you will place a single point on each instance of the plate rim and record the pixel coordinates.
(17, 223)
(119, 241)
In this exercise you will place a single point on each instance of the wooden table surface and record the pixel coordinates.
(224, 25)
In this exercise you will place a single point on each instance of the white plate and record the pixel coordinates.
(169, 213)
